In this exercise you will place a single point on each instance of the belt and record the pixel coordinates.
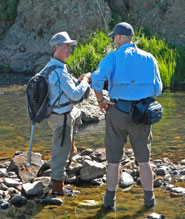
(60, 113)
(62, 105)
(122, 105)
(55, 113)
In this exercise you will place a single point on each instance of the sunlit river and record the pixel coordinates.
(168, 141)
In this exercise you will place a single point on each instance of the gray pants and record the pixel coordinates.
(61, 154)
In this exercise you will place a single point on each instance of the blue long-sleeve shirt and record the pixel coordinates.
(61, 81)
(132, 74)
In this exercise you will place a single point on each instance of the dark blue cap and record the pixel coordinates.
(122, 28)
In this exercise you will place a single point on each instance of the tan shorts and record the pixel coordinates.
(119, 125)
(61, 154)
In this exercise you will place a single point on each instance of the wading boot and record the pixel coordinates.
(149, 199)
(57, 187)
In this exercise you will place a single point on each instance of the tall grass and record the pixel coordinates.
(171, 59)
(88, 54)
(165, 54)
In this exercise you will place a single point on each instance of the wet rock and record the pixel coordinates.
(13, 175)
(46, 181)
(167, 161)
(74, 170)
(2, 166)
(45, 166)
(11, 182)
(157, 162)
(26, 174)
(182, 162)
(4, 205)
(178, 190)
(13, 191)
(52, 201)
(86, 157)
(126, 180)
(162, 171)
(3, 172)
(155, 216)
(89, 203)
(46, 173)
(91, 170)
(18, 200)
(3, 187)
(77, 158)
(169, 186)
(17, 153)
(71, 180)
(98, 155)
(2, 201)
(182, 172)
(31, 189)
(1, 193)
(97, 182)
(85, 166)
(168, 178)
(87, 151)
(158, 182)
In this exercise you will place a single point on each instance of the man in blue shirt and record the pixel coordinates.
(132, 75)
(65, 115)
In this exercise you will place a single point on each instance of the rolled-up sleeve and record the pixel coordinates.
(71, 90)
(103, 73)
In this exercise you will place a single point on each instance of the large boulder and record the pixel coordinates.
(91, 170)
(164, 17)
(25, 173)
(26, 46)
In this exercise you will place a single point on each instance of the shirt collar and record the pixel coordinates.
(126, 45)
(57, 62)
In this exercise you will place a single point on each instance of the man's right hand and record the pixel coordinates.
(86, 76)
(105, 104)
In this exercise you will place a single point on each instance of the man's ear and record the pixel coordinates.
(56, 47)
(119, 38)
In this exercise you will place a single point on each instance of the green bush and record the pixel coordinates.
(171, 59)
(88, 54)
(163, 52)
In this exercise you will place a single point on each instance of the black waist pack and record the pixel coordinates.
(147, 111)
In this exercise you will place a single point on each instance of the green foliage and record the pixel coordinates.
(88, 54)
(179, 76)
(9, 10)
(170, 58)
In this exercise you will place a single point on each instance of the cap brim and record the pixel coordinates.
(72, 42)
(111, 34)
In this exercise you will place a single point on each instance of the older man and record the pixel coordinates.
(65, 115)
(132, 75)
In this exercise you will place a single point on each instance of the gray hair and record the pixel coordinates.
(53, 48)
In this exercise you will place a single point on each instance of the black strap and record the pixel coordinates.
(48, 71)
(62, 105)
(64, 128)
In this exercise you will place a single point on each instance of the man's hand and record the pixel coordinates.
(105, 104)
(86, 76)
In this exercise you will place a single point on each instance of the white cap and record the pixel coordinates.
(61, 37)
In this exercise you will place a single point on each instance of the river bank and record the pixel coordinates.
(22, 186)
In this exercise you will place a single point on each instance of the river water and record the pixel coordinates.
(168, 141)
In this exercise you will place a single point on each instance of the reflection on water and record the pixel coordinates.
(168, 141)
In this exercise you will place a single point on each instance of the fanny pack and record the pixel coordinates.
(147, 111)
